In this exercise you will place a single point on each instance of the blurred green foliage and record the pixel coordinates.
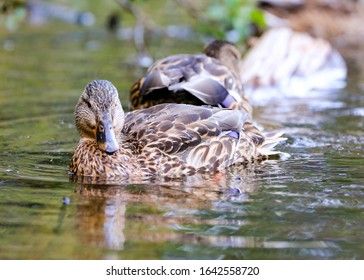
(234, 20)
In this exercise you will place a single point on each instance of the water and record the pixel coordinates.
(306, 206)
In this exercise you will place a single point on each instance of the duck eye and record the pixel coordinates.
(87, 103)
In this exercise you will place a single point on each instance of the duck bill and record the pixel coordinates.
(105, 135)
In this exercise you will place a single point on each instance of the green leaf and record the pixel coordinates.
(258, 18)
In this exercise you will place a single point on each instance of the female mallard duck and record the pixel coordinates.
(212, 79)
(167, 140)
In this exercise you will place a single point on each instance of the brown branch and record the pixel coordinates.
(142, 24)
(140, 17)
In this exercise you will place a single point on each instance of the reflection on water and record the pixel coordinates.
(305, 206)
(207, 215)
(163, 212)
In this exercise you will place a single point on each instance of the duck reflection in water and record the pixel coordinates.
(110, 215)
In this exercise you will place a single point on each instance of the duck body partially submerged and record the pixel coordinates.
(166, 140)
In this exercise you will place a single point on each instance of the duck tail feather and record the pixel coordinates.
(271, 140)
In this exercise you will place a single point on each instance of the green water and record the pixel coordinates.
(307, 206)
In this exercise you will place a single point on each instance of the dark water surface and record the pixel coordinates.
(306, 206)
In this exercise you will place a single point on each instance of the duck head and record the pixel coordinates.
(99, 115)
(226, 52)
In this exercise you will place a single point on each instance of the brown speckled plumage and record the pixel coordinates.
(166, 140)
(212, 78)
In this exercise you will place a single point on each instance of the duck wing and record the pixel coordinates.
(203, 137)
